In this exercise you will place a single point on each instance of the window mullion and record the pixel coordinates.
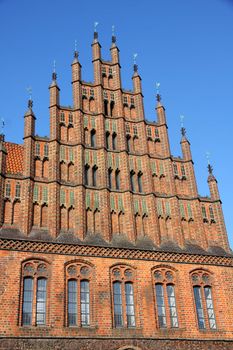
(123, 304)
(34, 301)
(167, 308)
(78, 303)
(204, 307)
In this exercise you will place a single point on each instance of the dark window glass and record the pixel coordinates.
(160, 306)
(203, 210)
(106, 107)
(17, 191)
(199, 307)
(107, 140)
(210, 307)
(128, 139)
(140, 182)
(27, 300)
(110, 178)
(182, 170)
(211, 213)
(37, 151)
(129, 299)
(86, 174)
(114, 137)
(70, 118)
(156, 133)
(46, 150)
(8, 190)
(132, 181)
(111, 108)
(72, 303)
(172, 305)
(85, 303)
(94, 176)
(41, 301)
(148, 131)
(175, 169)
(93, 138)
(117, 297)
(62, 117)
(117, 177)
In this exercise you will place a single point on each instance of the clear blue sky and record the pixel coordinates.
(185, 45)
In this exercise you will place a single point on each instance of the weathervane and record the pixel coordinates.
(182, 121)
(135, 55)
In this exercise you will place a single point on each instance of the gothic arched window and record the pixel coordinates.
(86, 174)
(132, 184)
(107, 139)
(117, 178)
(94, 175)
(93, 138)
(202, 289)
(165, 296)
(140, 182)
(78, 277)
(34, 293)
(123, 296)
(114, 141)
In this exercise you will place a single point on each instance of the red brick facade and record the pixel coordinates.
(103, 201)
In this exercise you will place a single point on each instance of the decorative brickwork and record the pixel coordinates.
(105, 242)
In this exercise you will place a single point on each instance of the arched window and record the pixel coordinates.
(78, 291)
(35, 273)
(110, 178)
(128, 143)
(86, 174)
(106, 107)
(117, 178)
(114, 141)
(132, 184)
(93, 138)
(112, 105)
(107, 140)
(139, 182)
(202, 289)
(123, 297)
(94, 175)
(166, 310)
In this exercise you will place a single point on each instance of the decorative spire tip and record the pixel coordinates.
(183, 131)
(54, 75)
(75, 49)
(158, 96)
(113, 35)
(210, 169)
(95, 30)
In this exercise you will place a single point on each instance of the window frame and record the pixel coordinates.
(123, 274)
(37, 270)
(79, 272)
(202, 279)
(166, 276)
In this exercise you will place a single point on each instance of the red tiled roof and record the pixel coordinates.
(14, 159)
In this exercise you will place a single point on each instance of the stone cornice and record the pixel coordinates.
(116, 253)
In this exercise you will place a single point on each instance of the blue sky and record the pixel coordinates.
(185, 45)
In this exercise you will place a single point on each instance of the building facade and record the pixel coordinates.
(104, 240)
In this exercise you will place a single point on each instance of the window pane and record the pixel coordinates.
(129, 304)
(117, 297)
(41, 301)
(27, 300)
(172, 305)
(160, 305)
(72, 302)
(199, 307)
(210, 307)
(85, 303)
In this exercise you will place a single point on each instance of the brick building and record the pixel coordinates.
(105, 241)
